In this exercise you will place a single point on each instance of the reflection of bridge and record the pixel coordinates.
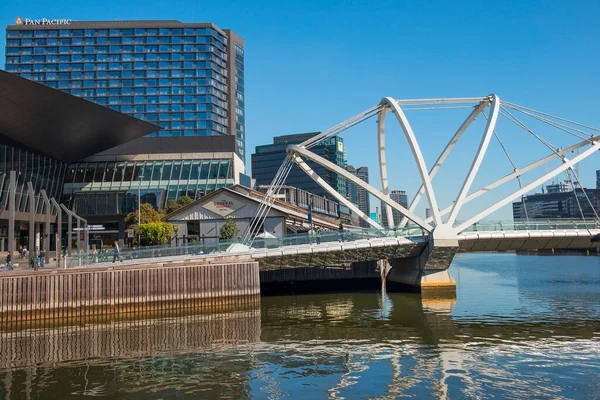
(345, 332)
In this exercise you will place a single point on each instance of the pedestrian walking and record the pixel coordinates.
(341, 229)
(318, 235)
(42, 258)
(116, 252)
(8, 263)
(311, 233)
(21, 251)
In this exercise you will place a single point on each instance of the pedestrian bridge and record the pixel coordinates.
(419, 250)
(335, 248)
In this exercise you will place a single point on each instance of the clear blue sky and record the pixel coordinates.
(312, 64)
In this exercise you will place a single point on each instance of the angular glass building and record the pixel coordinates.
(43, 132)
(187, 78)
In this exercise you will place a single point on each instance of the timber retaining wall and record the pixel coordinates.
(102, 292)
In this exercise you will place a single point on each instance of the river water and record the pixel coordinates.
(520, 327)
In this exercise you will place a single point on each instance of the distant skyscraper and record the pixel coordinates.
(400, 197)
(357, 194)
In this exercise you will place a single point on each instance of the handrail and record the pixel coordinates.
(217, 247)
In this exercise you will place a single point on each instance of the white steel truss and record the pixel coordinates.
(300, 152)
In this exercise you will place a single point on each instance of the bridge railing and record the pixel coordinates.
(346, 235)
(217, 247)
(556, 224)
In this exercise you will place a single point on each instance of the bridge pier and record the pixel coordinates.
(427, 272)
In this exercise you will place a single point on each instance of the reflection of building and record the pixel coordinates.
(187, 78)
(202, 219)
(41, 131)
(559, 202)
(357, 194)
(399, 196)
(267, 159)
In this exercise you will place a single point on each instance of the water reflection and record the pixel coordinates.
(509, 333)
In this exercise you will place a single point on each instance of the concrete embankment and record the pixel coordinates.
(102, 292)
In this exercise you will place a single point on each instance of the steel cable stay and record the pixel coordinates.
(435, 108)
(272, 191)
(565, 128)
(551, 116)
(518, 122)
(513, 166)
(363, 116)
(584, 193)
(339, 131)
(562, 157)
(268, 201)
(576, 197)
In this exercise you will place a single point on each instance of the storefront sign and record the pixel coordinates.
(223, 205)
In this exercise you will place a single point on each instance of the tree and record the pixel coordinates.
(173, 205)
(185, 200)
(149, 214)
(229, 230)
(155, 233)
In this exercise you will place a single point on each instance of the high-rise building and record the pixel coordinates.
(187, 78)
(400, 197)
(357, 194)
(267, 159)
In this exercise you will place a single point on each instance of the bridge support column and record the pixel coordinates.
(428, 272)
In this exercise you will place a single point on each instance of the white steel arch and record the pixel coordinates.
(383, 163)
(443, 155)
(417, 154)
(464, 196)
(485, 141)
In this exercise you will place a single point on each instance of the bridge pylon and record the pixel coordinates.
(428, 271)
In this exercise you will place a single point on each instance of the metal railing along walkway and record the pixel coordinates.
(216, 248)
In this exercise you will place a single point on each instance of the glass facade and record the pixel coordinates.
(193, 178)
(175, 77)
(43, 172)
(267, 159)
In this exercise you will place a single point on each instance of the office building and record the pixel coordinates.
(267, 159)
(185, 78)
(400, 197)
(559, 201)
(357, 194)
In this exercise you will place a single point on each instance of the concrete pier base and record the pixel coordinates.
(428, 272)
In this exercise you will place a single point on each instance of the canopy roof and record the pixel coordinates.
(48, 121)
